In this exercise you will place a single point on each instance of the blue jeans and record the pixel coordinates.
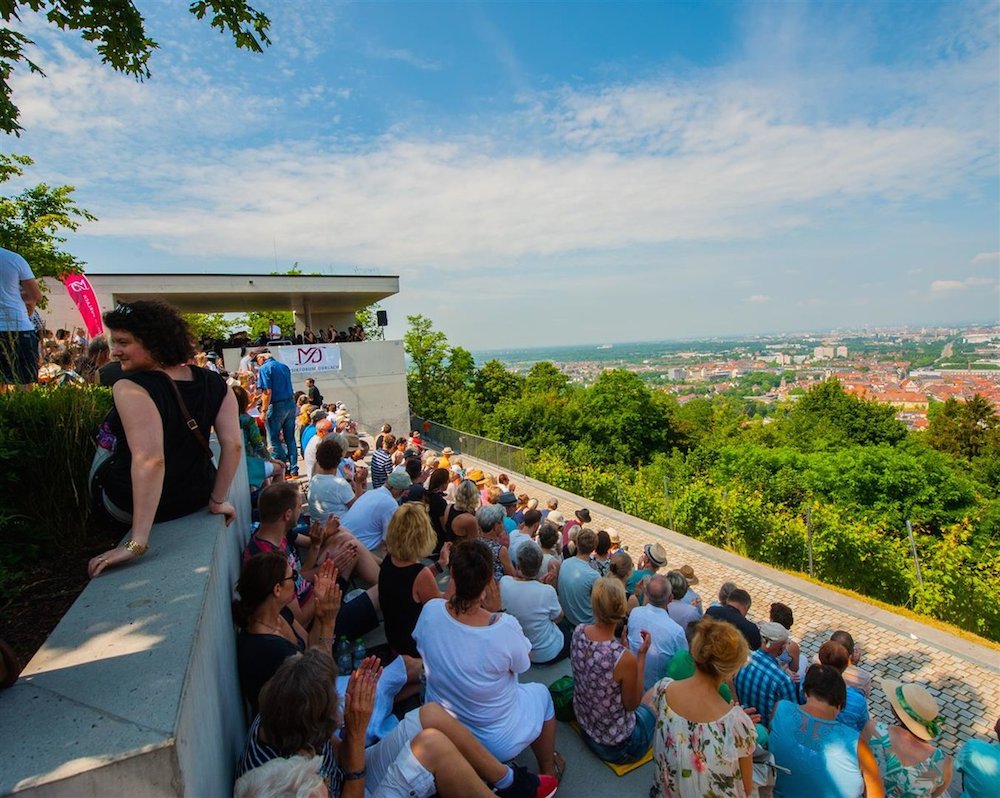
(281, 422)
(631, 749)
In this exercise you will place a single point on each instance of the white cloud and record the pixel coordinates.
(758, 298)
(948, 286)
(985, 258)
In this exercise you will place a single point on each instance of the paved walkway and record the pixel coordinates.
(961, 674)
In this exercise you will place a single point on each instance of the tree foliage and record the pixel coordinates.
(717, 470)
(32, 220)
(257, 322)
(209, 325)
(368, 319)
(117, 31)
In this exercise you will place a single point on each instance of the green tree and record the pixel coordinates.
(963, 428)
(368, 319)
(828, 418)
(543, 377)
(118, 32)
(427, 349)
(208, 325)
(494, 383)
(257, 322)
(461, 369)
(31, 222)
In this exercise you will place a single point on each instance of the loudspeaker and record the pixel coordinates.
(383, 318)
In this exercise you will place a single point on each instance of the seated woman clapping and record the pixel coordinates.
(481, 687)
(299, 716)
(615, 720)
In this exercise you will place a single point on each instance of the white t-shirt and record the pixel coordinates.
(275, 331)
(368, 519)
(535, 606)
(13, 313)
(480, 687)
(667, 639)
(328, 495)
(309, 455)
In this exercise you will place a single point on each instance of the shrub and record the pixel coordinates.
(46, 446)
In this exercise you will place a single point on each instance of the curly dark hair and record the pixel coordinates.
(471, 570)
(158, 326)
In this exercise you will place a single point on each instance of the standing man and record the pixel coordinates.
(273, 330)
(18, 338)
(274, 380)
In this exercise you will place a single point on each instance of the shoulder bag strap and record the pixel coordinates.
(188, 420)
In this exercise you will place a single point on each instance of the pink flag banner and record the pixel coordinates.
(82, 293)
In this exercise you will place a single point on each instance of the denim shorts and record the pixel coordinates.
(632, 748)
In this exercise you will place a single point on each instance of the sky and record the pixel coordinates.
(552, 173)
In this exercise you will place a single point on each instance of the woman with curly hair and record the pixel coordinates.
(148, 472)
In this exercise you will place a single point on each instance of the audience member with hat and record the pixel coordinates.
(762, 682)
(910, 764)
(691, 597)
(652, 559)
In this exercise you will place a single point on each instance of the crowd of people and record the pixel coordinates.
(475, 582)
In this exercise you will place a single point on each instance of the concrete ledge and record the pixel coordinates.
(135, 691)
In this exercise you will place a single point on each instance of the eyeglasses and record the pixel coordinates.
(294, 577)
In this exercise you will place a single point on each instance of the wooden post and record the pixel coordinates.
(809, 537)
(913, 548)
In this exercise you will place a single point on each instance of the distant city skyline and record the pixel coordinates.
(546, 174)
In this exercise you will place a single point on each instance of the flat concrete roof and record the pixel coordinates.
(234, 293)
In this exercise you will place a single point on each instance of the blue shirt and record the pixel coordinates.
(979, 764)
(762, 684)
(276, 377)
(576, 581)
(307, 435)
(855, 711)
(822, 755)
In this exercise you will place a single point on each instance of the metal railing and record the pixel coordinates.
(503, 455)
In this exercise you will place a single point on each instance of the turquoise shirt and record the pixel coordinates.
(822, 755)
(979, 764)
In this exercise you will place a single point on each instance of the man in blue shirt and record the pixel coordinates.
(274, 379)
(762, 683)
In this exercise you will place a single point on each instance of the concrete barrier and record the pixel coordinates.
(135, 692)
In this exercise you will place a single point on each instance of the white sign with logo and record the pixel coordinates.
(309, 357)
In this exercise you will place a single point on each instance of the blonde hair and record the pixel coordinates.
(410, 535)
(718, 649)
(493, 495)
(467, 496)
(608, 600)
(295, 777)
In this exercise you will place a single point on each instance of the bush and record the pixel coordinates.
(46, 446)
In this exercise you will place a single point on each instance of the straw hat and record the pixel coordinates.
(447, 450)
(689, 574)
(616, 539)
(556, 517)
(477, 476)
(915, 707)
(656, 554)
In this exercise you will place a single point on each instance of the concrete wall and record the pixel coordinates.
(136, 691)
(371, 382)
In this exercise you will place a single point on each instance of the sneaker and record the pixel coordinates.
(528, 785)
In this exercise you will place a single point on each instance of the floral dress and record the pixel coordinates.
(901, 781)
(699, 760)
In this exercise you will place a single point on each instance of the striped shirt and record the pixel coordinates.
(381, 467)
(762, 684)
(257, 753)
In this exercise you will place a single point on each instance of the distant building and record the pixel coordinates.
(676, 373)
(824, 353)
(841, 351)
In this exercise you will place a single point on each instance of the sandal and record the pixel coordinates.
(560, 765)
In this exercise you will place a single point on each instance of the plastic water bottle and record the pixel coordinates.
(359, 653)
(343, 655)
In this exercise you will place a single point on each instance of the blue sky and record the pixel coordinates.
(544, 173)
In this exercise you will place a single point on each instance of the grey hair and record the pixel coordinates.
(294, 777)
(529, 559)
(658, 591)
(489, 516)
(678, 584)
(726, 591)
(467, 496)
(341, 438)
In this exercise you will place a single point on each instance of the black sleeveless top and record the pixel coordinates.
(189, 474)
(399, 610)
(449, 532)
